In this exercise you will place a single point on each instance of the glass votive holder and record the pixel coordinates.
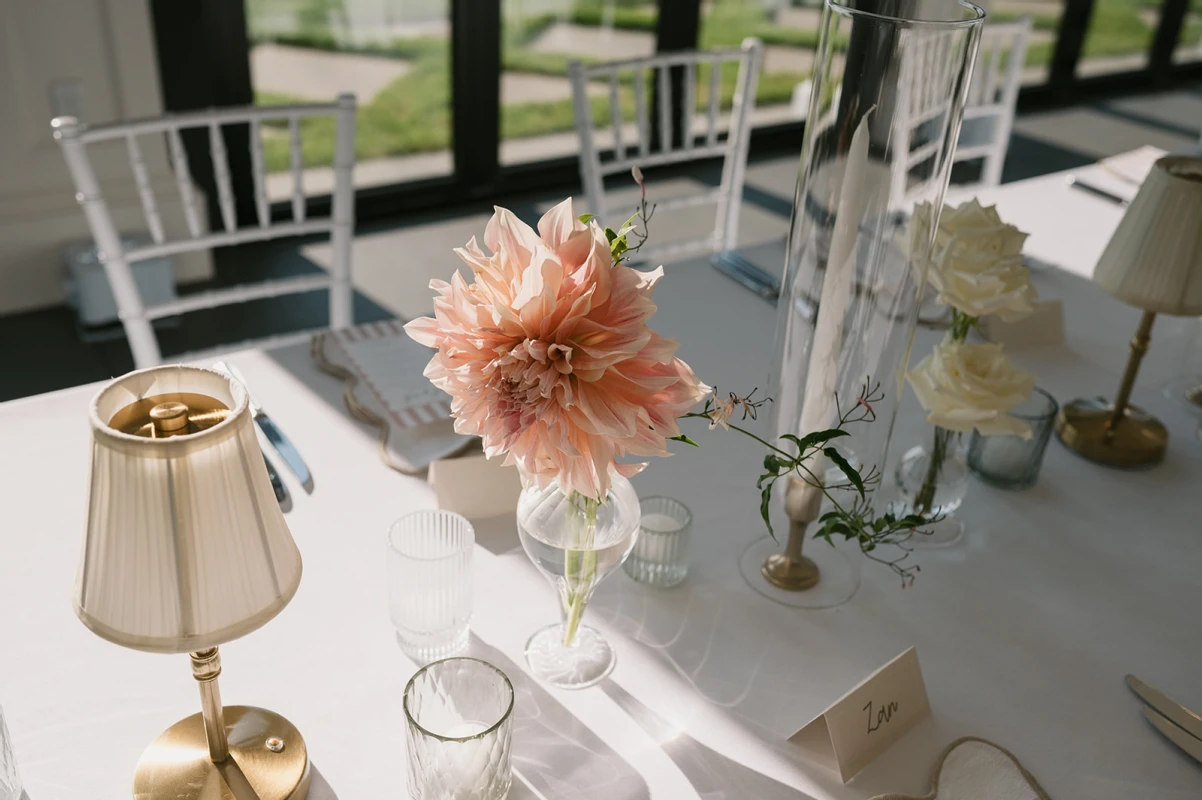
(661, 551)
(459, 713)
(430, 582)
(1011, 462)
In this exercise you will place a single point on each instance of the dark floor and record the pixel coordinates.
(44, 351)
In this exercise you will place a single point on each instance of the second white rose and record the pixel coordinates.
(965, 386)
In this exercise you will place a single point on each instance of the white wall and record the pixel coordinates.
(108, 47)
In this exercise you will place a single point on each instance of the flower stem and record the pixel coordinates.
(580, 564)
(926, 493)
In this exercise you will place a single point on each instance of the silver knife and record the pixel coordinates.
(282, 444)
(1089, 188)
(1178, 714)
(277, 485)
(1191, 746)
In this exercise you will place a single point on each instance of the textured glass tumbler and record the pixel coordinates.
(430, 582)
(10, 780)
(459, 712)
(1011, 462)
(661, 552)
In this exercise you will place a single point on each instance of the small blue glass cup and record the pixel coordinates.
(1011, 462)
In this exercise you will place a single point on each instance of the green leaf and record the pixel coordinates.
(684, 438)
(610, 235)
(766, 508)
(773, 464)
(847, 469)
(815, 438)
(587, 218)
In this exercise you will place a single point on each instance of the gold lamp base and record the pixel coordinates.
(267, 761)
(792, 573)
(1137, 441)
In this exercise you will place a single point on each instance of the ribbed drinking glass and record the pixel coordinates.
(661, 553)
(1011, 462)
(430, 582)
(459, 712)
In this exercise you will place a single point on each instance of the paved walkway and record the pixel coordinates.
(594, 42)
(319, 74)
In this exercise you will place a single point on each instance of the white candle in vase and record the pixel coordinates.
(822, 378)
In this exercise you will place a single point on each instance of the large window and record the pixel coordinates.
(539, 38)
(1045, 26)
(394, 55)
(1189, 46)
(1119, 37)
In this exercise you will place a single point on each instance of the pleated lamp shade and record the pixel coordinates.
(1154, 258)
(185, 547)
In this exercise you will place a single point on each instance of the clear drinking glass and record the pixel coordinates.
(430, 582)
(459, 713)
(889, 86)
(1011, 462)
(661, 553)
(10, 779)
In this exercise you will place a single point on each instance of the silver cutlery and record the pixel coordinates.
(1177, 723)
(278, 439)
(749, 275)
(277, 485)
(1076, 183)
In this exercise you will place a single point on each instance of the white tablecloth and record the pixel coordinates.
(1024, 631)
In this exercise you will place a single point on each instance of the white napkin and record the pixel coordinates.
(974, 769)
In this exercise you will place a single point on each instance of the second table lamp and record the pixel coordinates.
(186, 549)
(1153, 262)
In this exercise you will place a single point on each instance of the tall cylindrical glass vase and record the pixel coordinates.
(890, 81)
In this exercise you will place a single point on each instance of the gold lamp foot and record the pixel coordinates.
(1137, 441)
(267, 761)
(792, 573)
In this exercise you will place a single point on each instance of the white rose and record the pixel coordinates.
(964, 386)
(976, 263)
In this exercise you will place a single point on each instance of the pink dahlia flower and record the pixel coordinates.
(547, 355)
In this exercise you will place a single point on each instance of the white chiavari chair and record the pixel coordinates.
(136, 316)
(706, 136)
(988, 110)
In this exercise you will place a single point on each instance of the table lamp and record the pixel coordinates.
(186, 549)
(1153, 262)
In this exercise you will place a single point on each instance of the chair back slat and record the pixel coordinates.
(615, 113)
(259, 174)
(296, 158)
(135, 315)
(688, 101)
(183, 180)
(715, 98)
(665, 111)
(657, 71)
(221, 174)
(640, 110)
(150, 209)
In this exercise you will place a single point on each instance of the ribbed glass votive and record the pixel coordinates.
(430, 582)
(1011, 462)
(661, 553)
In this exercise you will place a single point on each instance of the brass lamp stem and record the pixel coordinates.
(206, 666)
(1139, 346)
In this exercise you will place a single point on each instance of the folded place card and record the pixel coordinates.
(475, 486)
(861, 724)
(1044, 328)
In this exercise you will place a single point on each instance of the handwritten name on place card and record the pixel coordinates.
(861, 724)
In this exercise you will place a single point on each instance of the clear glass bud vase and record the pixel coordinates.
(889, 86)
(575, 541)
(932, 479)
